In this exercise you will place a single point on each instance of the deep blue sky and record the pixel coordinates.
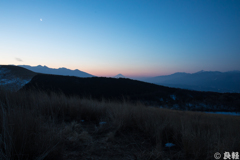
(134, 38)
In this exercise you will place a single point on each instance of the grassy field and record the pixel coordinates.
(37, 125)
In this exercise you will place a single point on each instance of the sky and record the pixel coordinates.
(136, 38)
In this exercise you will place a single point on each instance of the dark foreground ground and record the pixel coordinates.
(40, 125)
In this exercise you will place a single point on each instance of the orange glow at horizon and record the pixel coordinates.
(126, 73)
(110, 72)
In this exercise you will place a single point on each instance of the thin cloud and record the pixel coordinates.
(18, 59)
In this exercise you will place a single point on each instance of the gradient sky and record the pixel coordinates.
(131, 37)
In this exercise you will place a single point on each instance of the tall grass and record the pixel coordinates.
(36, 125)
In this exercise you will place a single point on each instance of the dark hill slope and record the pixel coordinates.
(133, 90)
(17, 71)
(14, 77)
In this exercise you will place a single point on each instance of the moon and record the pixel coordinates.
(40, 19)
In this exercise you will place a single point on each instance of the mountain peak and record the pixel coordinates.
(63, 68)
(201, 71)
(119, 76)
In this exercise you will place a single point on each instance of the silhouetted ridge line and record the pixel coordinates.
(59, 71)
(202, 81)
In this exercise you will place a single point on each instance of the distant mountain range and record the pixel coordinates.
(59, 71)
(201, 81)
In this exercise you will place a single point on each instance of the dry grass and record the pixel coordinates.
(35, 125)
